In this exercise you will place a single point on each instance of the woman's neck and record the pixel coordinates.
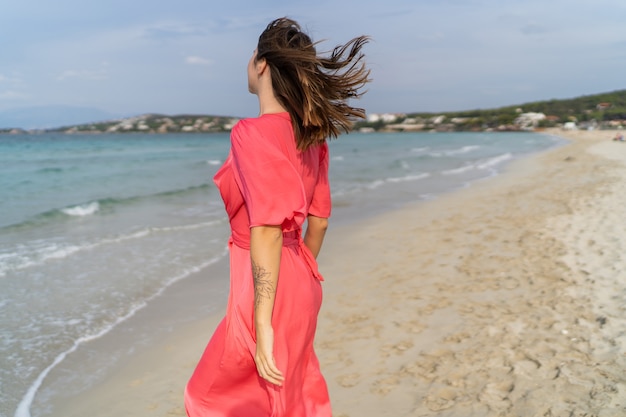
(268, 103)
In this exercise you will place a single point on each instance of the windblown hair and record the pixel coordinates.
(313, 89)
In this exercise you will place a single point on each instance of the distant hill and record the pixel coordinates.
(46, 117)
(603, 106)
(606, 110)
(157, 123)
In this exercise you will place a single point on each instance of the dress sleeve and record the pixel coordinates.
(321, 202)
(271, 187)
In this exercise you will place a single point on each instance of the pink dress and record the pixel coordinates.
(266, 181)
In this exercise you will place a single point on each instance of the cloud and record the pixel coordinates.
(13, 95)
(92, 75)
(172, 31)
(9, 80)
(196, 60)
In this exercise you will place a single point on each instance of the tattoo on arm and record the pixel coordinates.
(263, 286)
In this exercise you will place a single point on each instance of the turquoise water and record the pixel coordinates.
(94, 227)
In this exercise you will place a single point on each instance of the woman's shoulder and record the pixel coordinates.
(268, 126)
(270, 120)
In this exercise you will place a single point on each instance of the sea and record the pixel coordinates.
(94, 228)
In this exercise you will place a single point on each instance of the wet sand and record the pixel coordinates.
(502, 299)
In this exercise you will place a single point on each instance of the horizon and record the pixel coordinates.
(123, 59)
(124, 117)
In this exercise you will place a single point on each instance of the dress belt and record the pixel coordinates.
(291, 238)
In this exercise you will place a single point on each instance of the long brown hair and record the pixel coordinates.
(313, 89)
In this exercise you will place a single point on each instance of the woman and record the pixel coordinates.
(260, 361)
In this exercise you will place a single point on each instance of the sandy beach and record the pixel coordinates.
(501, 299)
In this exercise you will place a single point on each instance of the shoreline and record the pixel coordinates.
(399, 310)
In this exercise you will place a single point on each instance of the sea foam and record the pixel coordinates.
(490, 163)
(83, 209)
(463, 150)
(38, 253)
(459, 170)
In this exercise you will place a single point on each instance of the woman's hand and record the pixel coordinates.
(264, 357)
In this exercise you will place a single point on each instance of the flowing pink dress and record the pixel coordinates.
(266, 181)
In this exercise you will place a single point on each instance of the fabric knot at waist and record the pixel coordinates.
(291, 238)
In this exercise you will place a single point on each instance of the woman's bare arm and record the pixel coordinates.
(315, 232)
(265, 249)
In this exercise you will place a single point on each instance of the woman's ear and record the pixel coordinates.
(261, 66)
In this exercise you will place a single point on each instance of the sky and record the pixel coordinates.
(189, 56)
